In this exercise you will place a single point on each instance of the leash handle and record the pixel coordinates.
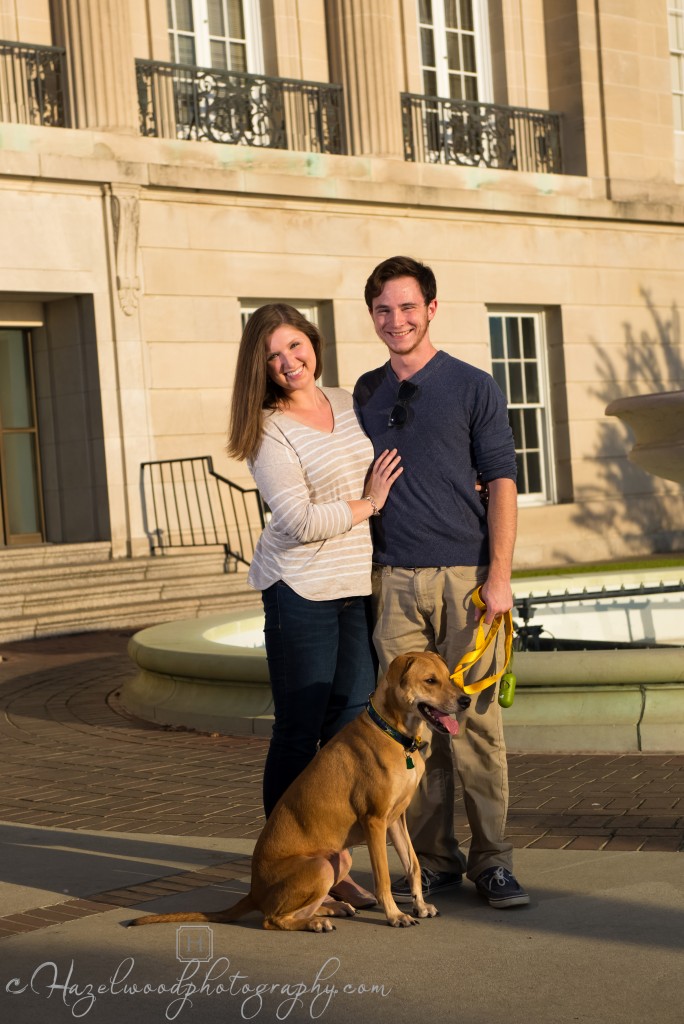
(482, 644)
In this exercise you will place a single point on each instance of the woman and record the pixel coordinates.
(310, 460)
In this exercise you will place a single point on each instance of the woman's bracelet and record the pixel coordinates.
(371, 499)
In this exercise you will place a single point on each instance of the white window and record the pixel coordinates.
(676, 22)
(519, 367)
(312, 313)
(222, 34)
(455, 49)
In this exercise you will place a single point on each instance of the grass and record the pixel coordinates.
(653, 562)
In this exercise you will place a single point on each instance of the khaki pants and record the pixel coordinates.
(429, 609)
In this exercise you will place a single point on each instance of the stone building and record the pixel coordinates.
(168, 165)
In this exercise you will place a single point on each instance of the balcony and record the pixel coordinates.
(474, 134)
(32, 84)
(180, 101)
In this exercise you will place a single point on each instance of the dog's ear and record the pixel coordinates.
(398, 668)
(409, 661)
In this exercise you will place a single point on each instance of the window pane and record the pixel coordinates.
(534, 478)
(186, 50)
(427, 47)
(678, 114)
(522, 475)
(215, 18)
(236, 21)
(469, 63)
(456, 87)
(499, 375)
(430, 83)
(425, 11)
(218, 54)
(530, 419)
(451, 13)
(184, 20)
(531, 382)
(496, 337)
(516, 421)
(15, 381)
(513, 338)
(516, 383)
(453, 53)
(467, 15)
(529, 343)
(471, 88)
(238, 57)
(21, 471)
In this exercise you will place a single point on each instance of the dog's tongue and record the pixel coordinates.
(449, 723)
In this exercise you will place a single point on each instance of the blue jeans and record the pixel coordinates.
(322, 667)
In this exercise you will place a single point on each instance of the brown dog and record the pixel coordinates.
(356, 790)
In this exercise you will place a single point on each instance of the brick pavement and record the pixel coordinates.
(73, 758)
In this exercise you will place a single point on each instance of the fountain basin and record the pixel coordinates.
(657, 422)
(208, 674)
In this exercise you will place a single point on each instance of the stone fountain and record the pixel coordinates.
(657, 422)
(211, 674)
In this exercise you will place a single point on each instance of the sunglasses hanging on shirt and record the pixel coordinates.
(399, 415)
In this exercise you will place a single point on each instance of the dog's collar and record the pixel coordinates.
(409, 743)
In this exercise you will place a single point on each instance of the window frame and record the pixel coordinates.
(548, 495)
(675, 14)
(308, 308)
(483, 61)
(200, 34)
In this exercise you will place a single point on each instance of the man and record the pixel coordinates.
(434, 544)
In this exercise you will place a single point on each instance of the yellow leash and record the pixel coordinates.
(482, 644)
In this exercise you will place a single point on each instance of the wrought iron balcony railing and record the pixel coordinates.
(474, 134)
(186, 504)
(32, 84)
(180, 101)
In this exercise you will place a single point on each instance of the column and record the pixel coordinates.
(366, 57)
(100, 61)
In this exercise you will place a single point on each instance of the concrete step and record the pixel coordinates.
(134, 614)
(119, 593)
(62, 577)
(45, 595)
(46, 555)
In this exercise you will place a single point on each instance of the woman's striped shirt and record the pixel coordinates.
(306, 477)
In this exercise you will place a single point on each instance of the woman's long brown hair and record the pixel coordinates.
(253, 389)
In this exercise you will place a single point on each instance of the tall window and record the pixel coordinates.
(216, 33)
(312, 313)
(519, 368)
(454, 43)
(676, 21)
(21, 507)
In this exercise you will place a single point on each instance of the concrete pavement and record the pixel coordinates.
(103, 818)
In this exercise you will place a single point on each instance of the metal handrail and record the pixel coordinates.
(187, 504)
(528, 638)
(525, 605)
(32, 84)
(475, 134)
(183, 101)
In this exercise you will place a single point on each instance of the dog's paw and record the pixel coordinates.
(401, 921)
(320, 924)
(335, 908)
(426, 910)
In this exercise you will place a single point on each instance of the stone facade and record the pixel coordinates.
(130, 258)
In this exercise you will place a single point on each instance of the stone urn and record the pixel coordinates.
(657, 422)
